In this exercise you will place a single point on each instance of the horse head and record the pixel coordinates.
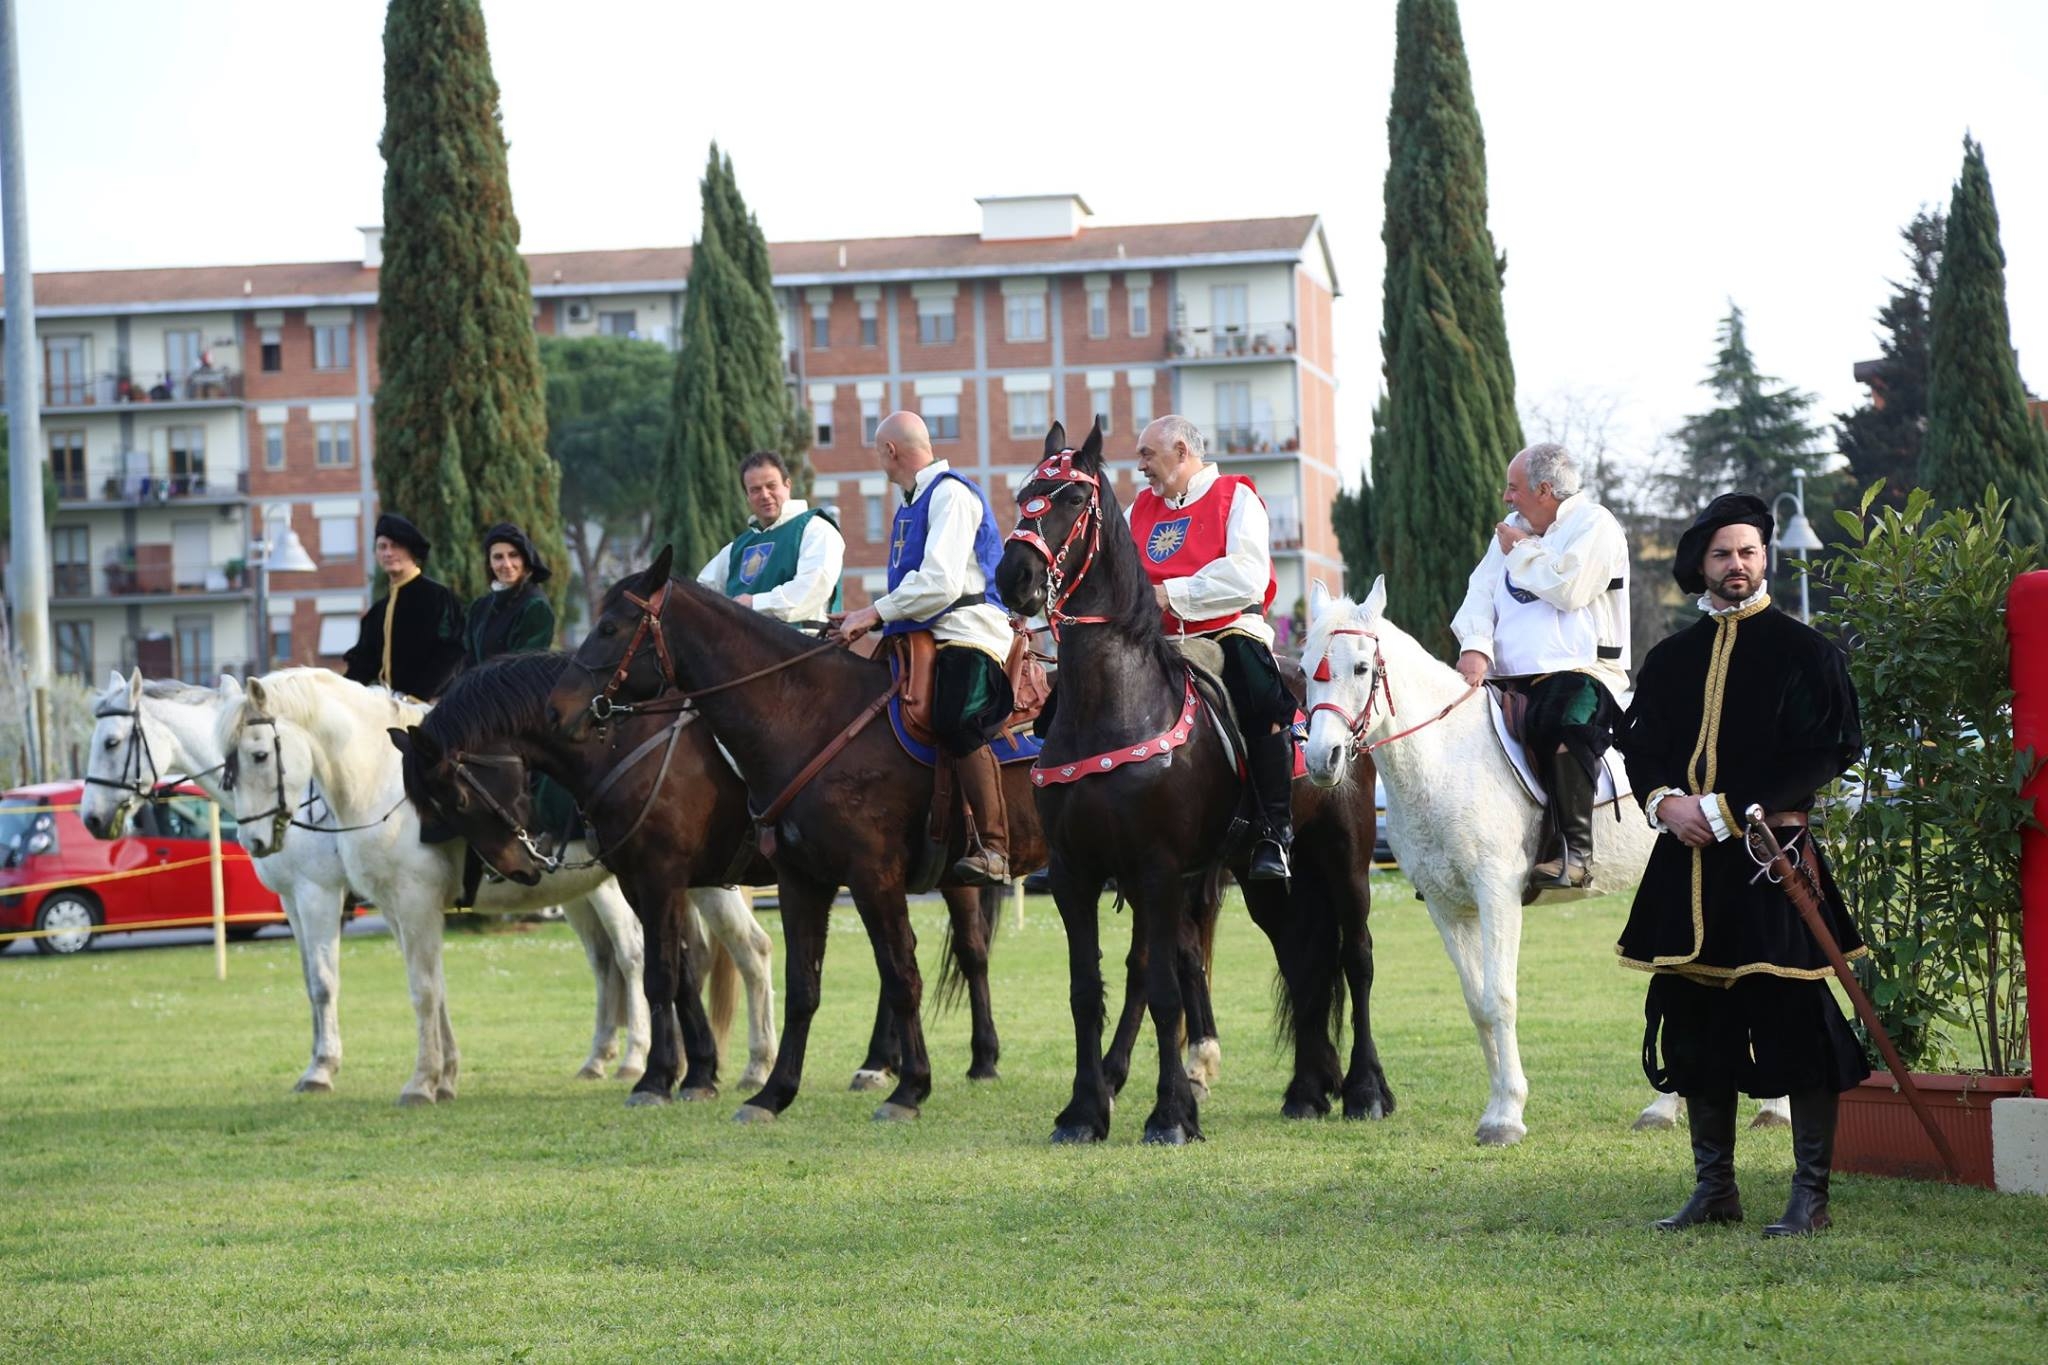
(484, 798)
(122, 763)
(1346, 673)
(265, 756)
(1059, 527)
(625, 654)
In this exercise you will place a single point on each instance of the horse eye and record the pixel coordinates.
(113, 743)
(259, 757)
(1360, 669)
(608, 628)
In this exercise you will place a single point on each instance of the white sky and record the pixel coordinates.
(1647, 161)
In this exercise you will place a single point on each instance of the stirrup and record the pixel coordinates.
(1269, 861)
(981, 867)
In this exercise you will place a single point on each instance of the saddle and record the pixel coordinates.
(916, 655)
(1204, 658)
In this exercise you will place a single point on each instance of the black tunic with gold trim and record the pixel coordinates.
(1747, 707)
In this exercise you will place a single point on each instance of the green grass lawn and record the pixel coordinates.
(167, 1197)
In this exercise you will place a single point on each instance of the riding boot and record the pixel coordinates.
(1569, 861)
(988, 847)
(1715, 1198)
(1813, 1155)
(1272, 772)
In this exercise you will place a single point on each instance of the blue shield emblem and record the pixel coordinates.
(1166, 538)
(754, 559)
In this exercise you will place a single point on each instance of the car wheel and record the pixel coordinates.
(68, 917)
(241, 933)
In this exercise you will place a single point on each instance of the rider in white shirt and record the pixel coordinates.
(1546, 612)
(787, 563)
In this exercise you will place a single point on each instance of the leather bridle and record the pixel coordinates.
(1059, 585)
(135, 759)
(461, 763)
(1358, 724)
(604, 704)
(283, 815)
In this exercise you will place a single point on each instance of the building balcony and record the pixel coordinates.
(225, 489)
(1254, 439)
(150, 573)
(208, 387)
(1284, 532)
(1233, 342)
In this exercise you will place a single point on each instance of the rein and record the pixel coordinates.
(1059, 587)
(605, 705)
(1358, 724)
(668, 735)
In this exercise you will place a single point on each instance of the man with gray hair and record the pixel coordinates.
(1546, 614)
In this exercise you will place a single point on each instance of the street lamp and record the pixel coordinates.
(1797, 536)
(280, 549)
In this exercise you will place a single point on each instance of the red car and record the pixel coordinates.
(48, 848)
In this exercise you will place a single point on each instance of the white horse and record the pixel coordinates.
(1461, 824)
(144, 731)
(305, 726)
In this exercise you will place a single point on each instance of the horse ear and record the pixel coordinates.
(657, 572)
(1318, 599)
(230, 686)
(1055, 440)
(1090, 453)
(401, 739)
(115, 682)
(259, 695)
(1376, 600)
(134, 686)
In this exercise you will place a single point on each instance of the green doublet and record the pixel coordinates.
(763, 560)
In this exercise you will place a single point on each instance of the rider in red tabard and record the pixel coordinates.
(1205, 543)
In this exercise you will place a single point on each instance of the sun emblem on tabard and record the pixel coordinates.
(754, 559)
(1166, 537)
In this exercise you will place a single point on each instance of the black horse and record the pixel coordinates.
(667, 813)
(1161, 823)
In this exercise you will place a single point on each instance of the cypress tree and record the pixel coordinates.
(1882, 438)
(729, 397)
(1446, 425)
(461, 409)
(1978, 430)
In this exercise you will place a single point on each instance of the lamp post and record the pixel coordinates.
(280, 549)
(1797, 536)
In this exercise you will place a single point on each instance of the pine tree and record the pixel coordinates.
(1978, 431)
(461, 414)
(1446, 426)
(1882, 438)
(1351, 517)
(730, 397)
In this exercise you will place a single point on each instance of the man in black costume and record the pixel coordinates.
(1747, 706)
(411, 638)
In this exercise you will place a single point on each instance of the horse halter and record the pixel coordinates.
(280, 814)
(138, 755)
(461, 762)
(651, 607)
(1358, 724)
(1059, 587)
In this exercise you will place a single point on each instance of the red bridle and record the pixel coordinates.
(1357, 725)
(1059, 588)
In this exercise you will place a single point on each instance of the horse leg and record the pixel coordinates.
(1116, 1063)
(418, 931)
(1204, 1049)
(1661, 1112)
(972, 914)
(730, 919)
(1086, 1117)
(686, 1005)
(1173, 1120)
(315, 915)
(879, 1065)
(1295, 918)
(806, 919)
(1366, 1092)
(665, 953)
(1500, 932)
(597, 950)
(622, 931)
(1460, 934)
(1773, 1113)
(887, 919)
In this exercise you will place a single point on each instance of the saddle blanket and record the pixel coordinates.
(1613, 784)
(1018, 746)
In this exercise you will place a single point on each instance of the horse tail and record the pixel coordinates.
(951, 987)
(725, 992)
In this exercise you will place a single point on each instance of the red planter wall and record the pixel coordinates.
(1879, 1135)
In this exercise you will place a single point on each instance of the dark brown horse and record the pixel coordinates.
(666, 813)
(1158, 813)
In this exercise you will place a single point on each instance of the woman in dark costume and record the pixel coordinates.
(411, 637)
(514, 616)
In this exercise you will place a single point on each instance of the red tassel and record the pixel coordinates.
(1322, 673)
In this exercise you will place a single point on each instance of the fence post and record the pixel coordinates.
(1017, 901)
(220, 900)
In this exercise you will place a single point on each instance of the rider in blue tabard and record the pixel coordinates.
(943, 550)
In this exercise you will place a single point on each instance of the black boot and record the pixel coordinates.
(1714, 1196)
(1272, 772)
(1813, 1155)
(1569, 861)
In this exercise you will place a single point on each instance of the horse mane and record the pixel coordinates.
(303, 695)
(1132, 609)
(1338, 611)
(156, 689)
(501, 697)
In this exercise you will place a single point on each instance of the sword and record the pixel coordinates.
(1805, 899)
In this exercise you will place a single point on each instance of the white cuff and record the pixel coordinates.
(1714, 806)
(1657, 798)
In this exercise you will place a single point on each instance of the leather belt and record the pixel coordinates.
(1780, 819)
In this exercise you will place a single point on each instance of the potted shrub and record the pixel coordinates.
(235, 570)
(1926, 847)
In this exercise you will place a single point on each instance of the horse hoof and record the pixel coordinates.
(1376, 1109)
(753, 1078)
(414, 1099)
(753, 1113)
(590, 1071)
(443, 1094)
(646, 1099)
(314, 1085)
(983, 1073)
(1072, 1135)
(871, 1080)
(1175, 1136)
(1651, 1121)
(1769, 1118)
(1302, 1110)
(1200, 1087)
(696, 1094)
(629, 1073)
(891, 1112)
(1500, 1134)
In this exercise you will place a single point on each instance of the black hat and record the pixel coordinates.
(399, 531)
(537, 570)
(1730, 509)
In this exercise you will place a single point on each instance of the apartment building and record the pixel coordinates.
(180, 403)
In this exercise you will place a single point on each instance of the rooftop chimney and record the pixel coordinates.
(373, 246)
(1032, 217)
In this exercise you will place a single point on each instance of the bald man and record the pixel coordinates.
(943, 548)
